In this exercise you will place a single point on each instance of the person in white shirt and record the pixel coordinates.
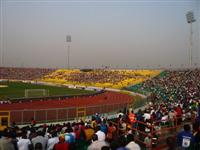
(101, 135)
(52, 141)
(96, 144)
(23, 143)
(147, 115)
(164, 118)
(40, 139)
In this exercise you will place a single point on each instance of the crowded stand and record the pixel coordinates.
(172, 114)
(23, 73)
(182, 86)
(99, 133)
(101, 77)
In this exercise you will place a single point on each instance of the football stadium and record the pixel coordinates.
(53, 97)
(87, 90)
(99, 75)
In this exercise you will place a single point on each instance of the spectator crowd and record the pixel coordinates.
(23, 73)
(101, 77)
(99, 133)
(170, 85)
(173, 103)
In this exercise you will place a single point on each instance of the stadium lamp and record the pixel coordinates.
(68, 40)
(190, 19)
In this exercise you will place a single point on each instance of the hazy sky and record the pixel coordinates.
(115, 33)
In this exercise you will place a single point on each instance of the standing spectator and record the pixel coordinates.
(23, 143)
(179, 113)
(132, 117)
(111, 132)
(33, 122)
(185, 138)
(172, 118)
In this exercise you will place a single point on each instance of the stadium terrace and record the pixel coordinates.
(146, 109)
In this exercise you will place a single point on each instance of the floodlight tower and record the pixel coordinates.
(68, 40)
(2, 32)
(190, 19)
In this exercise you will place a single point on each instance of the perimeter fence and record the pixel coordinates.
(22, 117)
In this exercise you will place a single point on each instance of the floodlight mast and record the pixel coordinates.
(1, 36)
(68, 40)
(190, 19)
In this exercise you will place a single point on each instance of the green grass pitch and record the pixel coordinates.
(16, 90)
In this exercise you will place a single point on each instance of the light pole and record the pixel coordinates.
(68, 40)
(1, 36)
(190, 20)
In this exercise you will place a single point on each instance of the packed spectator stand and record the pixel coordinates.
(100, 133)
(174, 105)
(23, 73)
(100, 77)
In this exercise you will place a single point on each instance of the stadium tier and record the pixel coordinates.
(23, 73)
(173, 97)
(176, 85)
(101, 78)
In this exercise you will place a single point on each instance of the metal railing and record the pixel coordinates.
(22, 117)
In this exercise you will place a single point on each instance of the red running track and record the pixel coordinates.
(66, 109)
(101, 99)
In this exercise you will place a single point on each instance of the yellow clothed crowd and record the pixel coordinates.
(105, 78)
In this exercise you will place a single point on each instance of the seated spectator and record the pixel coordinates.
(52, 141)
(147, 115)
(38, 146)
(40, 139)
(171, 144)
(69, 135)
(101, 135)
(105, 148)
(147, 141)
(196, 134)
(88, 132)
(131, 143)
(104, 127)
(61, 145)
(23, 143)
(164, 119)
(6, 141)
(96, 143)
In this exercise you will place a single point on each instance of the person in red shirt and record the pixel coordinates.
(61, 145)
(179, 113)
(111, 132)
(132, 117)
(33, 122)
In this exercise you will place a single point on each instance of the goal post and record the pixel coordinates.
(31, 93)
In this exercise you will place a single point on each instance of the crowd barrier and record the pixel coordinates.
(22, 117)
(157, 131)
